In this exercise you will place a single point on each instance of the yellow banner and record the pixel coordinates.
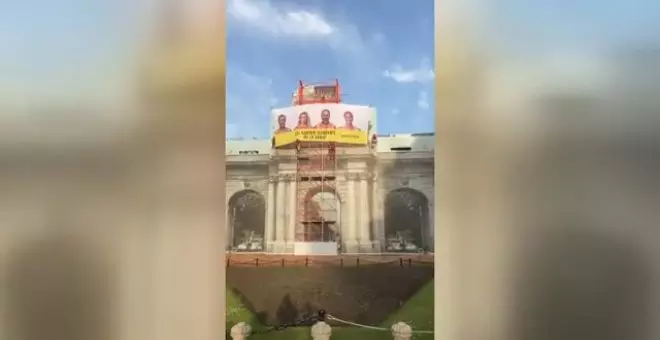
(322, 135)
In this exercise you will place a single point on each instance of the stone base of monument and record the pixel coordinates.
(366, 247)
(277, 247)
(315, 248)
(351, 247)
(377, 246)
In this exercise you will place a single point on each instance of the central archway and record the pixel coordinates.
(247, 218)
(322, 219)
(406, 220)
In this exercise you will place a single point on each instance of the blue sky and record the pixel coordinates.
(381, 52)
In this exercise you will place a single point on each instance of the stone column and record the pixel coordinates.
(364, 215)
(292, 205)
(280, 213)
(431, 225)
(269, 236)
(378, 232)
(350, 235)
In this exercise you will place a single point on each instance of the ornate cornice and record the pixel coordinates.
(351, 176)
(287, 177)
(273, 178)
(364, 176)
(358, 176)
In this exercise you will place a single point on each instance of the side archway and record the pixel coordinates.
(406, 220)
(247, 219)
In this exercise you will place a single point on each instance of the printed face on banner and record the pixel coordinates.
(322, 116)
(350, 123)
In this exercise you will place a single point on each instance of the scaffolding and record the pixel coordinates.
(317, 204)
(329, 92)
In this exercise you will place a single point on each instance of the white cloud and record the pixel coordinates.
(423, 100)
(264, 16)
(287, 22)
(360, 52)
(421, 74)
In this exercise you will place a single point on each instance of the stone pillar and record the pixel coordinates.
(280, 213)
(291, 207)
(364, 215)
(431, 225)
(350, 237)
(378, 224)
(269, 236)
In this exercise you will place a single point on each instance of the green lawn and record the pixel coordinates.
(417, 312)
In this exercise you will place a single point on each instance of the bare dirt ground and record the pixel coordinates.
(365, 291)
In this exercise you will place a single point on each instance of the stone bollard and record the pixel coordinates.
(321, 331)
(240, 331)
(401, 331)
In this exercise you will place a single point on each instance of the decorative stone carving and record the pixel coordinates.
(260, 186)
(287, 177)
(272, 178)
